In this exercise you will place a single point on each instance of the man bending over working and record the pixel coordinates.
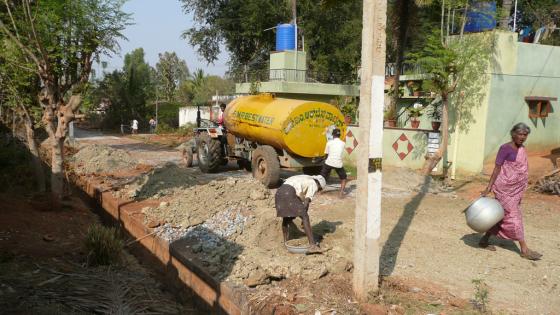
(292, 200)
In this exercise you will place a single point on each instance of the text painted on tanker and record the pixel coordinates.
(250, 117)
(313, 114)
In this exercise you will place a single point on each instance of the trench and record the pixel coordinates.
(188, 282)
(191, 287)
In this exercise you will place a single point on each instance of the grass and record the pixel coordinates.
(390, 294)
(481, 295)
(103, 246)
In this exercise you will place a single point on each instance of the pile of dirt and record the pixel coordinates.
(230, 227)
(246, 247)
(97, 158)
(194, 205)
(168, 179)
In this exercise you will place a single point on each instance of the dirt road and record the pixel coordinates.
(424, 237)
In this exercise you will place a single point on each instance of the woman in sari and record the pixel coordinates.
(508, 182)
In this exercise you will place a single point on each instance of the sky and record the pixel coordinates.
(158, 25)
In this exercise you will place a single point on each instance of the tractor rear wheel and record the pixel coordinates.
(266, 167)
(209, 153)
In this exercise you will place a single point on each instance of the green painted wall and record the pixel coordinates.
(414, 158)
(287, 60)
(522, 70)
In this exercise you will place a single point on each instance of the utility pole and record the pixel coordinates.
(368, 201)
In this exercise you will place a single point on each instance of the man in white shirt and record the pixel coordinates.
(334, 151)
(292, 200)
(153, 124)
(134, 126)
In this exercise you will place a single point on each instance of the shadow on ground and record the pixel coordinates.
(390, 251)
(473, 239)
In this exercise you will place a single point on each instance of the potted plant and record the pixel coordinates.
(435, 114)
(414, 112)
(415, 88)
(390, 117)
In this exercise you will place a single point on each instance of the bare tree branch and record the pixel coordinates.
(27, 10)
(74, 101)
(11, 18)
(21, 46)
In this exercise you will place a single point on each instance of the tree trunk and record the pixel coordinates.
(57, 178)
(506, 12)
(64, 114)
(433, 159)
(35, 158)
(403, 8)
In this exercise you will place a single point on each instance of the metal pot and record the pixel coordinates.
(483, 214)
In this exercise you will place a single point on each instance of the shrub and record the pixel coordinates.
(103, 245)
(163, 129)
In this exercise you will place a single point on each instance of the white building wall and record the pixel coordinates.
(188, 114)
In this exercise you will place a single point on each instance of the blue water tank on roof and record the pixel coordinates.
(285, 37)
(481, 16)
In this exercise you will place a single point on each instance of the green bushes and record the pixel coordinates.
(103, 246)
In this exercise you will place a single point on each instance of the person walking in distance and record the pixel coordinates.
(152, 123)
(134, 126)
(292, 200)
(334, 151)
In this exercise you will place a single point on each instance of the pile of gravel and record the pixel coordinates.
(196, 204)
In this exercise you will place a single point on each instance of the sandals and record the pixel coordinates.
(487, 246)
(531, 255)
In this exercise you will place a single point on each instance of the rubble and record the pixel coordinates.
(549, 184)
(194, 205)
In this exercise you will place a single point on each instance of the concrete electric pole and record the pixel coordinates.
(368, 200)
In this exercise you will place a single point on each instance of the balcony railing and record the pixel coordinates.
(406, 69)
(293, 75)
(308, 76)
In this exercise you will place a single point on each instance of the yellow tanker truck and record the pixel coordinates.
(264, 133)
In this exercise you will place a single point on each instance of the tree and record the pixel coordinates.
(19, 86)
(129, 91)
(331, 30)
(332, 35)
(61, 38)
(455, 65)
(211, 85)
(170, 73)
(238, 24)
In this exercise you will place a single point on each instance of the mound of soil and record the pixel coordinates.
(162, 181)
(194, 205)
(97, 158)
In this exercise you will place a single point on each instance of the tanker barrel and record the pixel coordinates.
(300, 127)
